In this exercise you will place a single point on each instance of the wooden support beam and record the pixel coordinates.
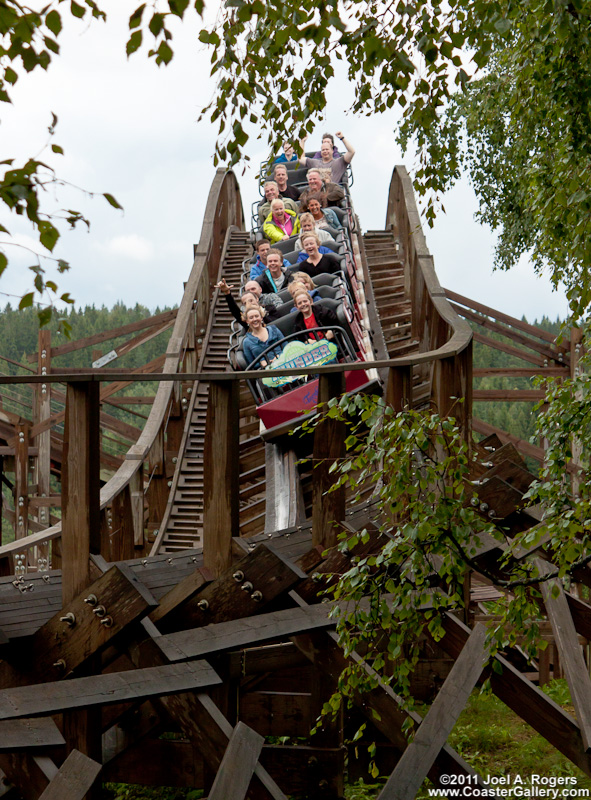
(569, 649)
(201, 720)
(265, 574)
(43, 460)
(525, 699)
(244, 632)
(383, 708)
(399, 388)
(21, 480)
(74, 778)
(24, 734)
(63, 645)
(80, 487)
(31, 774)
(328, 508)
(181, 593)
(99, 690)
(221, 475)
(238, 764)
(419, 756)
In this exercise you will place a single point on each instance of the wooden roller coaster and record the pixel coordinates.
(165, 628)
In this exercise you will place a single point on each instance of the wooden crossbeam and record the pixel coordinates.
(569, 649)
(264, 574)
(24, 734)
(74, 778)
(181, 593)
(201, 719)
(30, 773)
(238, 764)
(98, 690)
(104, 336)
(525, 699)
(245, 632)
(382, 706)
(60, 646)
(418, 758)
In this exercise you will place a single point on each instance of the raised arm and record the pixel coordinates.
(350, 150)
(303, 146)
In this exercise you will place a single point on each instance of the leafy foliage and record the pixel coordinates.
(29, 40)
(388, 602)
(499, 89)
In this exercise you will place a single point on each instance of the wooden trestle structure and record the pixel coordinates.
(180, 598)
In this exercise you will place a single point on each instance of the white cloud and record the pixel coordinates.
(129, 246)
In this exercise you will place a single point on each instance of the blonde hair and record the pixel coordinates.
(299, 293)
(307, 235)
(296, 286)
(257, 307)
(307, 217)
(303, 277)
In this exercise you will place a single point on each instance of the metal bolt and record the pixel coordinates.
(247, 587)
(69, 619)
(257, 596)
(169, 484)
(238, 576)
(174, 460)
(474, 502)
(60, 664)
(203, 605)
(107, 621)
(483, 507)
(492, 513)
(100, 611)
(91, 600)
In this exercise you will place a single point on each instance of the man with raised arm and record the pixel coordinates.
(337, 166)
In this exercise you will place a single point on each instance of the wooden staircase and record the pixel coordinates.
(184, 519)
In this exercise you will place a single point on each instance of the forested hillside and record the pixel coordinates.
(19, 329)
(515, 418)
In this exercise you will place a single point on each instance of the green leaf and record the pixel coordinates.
(135, 19)
(134, 43)
(77, 10)
(48, 234)
(3, 262)
(26, 301)
(44, 315)
(111, 200)
(54, 22)
(178, 7)
(57, 149)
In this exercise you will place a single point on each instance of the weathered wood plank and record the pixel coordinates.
(221, 474)
(265, 574)
(245, 632)
(238, 764)
(98, 690)
(525, 699)
(569, 650)
(408, 775)
(74, 778)
(59, 647)
(23, 734)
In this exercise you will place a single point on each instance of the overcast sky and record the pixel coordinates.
(130, 128)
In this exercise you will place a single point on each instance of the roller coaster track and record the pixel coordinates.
(240, 595)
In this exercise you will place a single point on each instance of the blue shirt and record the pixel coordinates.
(253, 347)
(303, 255)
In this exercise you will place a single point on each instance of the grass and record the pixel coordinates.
(496, 742)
